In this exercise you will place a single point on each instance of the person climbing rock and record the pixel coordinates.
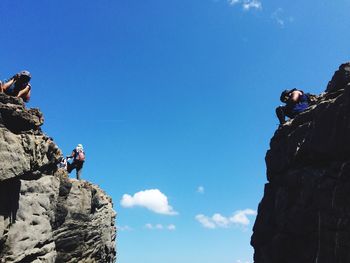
(18, 85)
(62, 163)
(296, 102)
(78, 156)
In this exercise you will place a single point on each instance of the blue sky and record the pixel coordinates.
(174, 102)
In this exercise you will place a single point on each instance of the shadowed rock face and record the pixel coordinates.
(304, 215)
(44, 215)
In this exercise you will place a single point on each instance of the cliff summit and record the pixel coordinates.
(304, 215)
(44, 215)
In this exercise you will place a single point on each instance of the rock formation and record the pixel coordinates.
(44, 215)
(304, 215)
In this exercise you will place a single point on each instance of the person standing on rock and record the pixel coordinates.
(296, 102)
(78, 156)
(18, 85)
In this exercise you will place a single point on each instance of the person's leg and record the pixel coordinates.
(79, 169)
(69, 167)
(79, 173)
(281, 114)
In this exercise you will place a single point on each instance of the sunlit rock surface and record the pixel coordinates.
(44, 215)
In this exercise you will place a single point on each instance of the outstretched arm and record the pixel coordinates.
(72, 155)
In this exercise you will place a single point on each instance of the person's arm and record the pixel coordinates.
(7, 84)
(27, 98)
(72, 155)
(26, 92)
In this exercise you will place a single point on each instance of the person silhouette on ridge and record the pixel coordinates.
(18, 85)
(78, 156)
(296, 102)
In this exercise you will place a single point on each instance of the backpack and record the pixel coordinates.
(80, 155)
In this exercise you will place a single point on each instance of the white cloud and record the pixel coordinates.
(124, 228)
(220, 220)
(233, 2)
(247, 4)
(152, 199)
(205, 221)
(149, 226)
(280, 18)
(159, 226)
(200, 189)
(170, 227)
(239, 218)
(241, 261)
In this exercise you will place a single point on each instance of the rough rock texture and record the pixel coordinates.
(44, 215)
(304, 215)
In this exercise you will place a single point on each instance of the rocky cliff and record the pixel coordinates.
(44, 215)
(304, 215)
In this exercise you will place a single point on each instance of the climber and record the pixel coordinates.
(18, 85)
(78, 156)
(63, 164)
(296, 102)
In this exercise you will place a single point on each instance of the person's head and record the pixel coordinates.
(285, 95)
(80, 146)
(24, 76)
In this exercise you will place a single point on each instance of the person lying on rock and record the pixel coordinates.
(78, 156)
(296, 102)
(18, 86)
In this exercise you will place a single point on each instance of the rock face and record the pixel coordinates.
(44, 215)
(304, 215)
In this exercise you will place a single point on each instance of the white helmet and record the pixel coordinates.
(80, 146)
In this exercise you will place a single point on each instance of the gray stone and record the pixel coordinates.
(44, 215)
